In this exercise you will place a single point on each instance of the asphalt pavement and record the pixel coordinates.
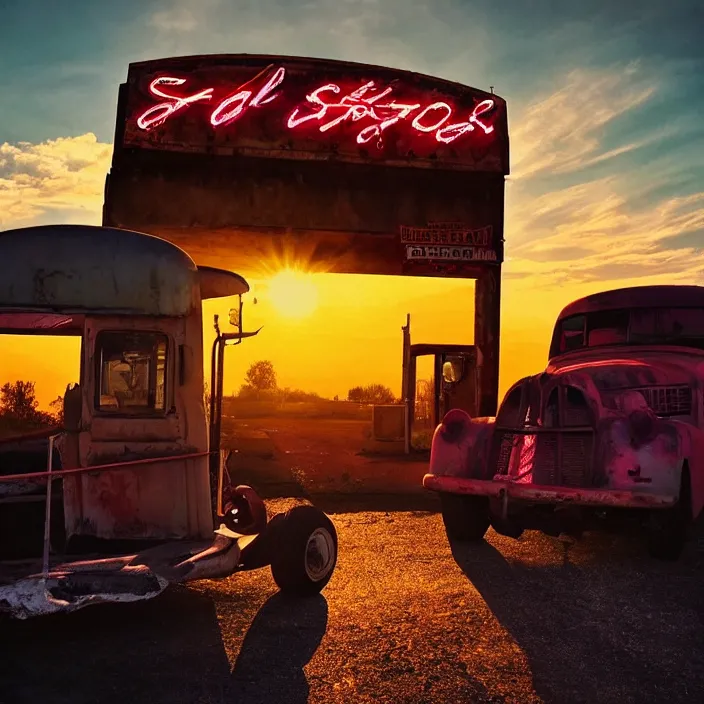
(406, 618)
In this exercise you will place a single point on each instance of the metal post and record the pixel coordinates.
(220, 508)
(437, 389)
(410, 402)
(406, 385)
(47, 510)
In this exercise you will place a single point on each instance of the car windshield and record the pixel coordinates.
(682, 327)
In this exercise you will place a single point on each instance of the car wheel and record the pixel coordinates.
(668, 530)
(466, 518)
(306, 551)
(507, 528)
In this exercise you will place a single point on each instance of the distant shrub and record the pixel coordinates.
(377, 394)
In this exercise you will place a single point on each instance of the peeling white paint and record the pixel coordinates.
(32, 596)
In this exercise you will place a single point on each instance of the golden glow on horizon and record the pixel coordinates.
(293, 293)
(352, 335)
(52, 362)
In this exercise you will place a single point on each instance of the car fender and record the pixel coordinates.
(654, 465)
(460, 446)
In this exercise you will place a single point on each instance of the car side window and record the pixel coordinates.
(572, 333)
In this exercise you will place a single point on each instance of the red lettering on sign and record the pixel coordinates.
(451, 133)
(359, 104)
(222, 116)
(241, 99)
(274, 82)
(418, 124)
(157, 114)
(327, 107)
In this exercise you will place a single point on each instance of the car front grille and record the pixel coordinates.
(668, 400)
(548, 457)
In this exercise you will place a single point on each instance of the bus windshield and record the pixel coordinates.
(682, 327)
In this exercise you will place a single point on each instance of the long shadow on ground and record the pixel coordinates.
(167, 650)
(607, 625)
(280, 642)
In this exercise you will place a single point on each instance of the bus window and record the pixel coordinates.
(131, 372)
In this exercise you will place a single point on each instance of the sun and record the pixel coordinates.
(293, 293)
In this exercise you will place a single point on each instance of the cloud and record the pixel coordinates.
(571, 229)
(58, 177)
(563, 132)
(417, 35)
(176, 19)
(590, 233)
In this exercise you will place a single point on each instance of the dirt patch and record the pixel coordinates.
(318, 456)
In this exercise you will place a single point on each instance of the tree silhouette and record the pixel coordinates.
(355, 394)
(373, 393)
(19, 406)
(56, 409)
(19, 400)
(261, 376)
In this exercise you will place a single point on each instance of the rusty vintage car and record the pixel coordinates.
(612, 429)
(132, 492)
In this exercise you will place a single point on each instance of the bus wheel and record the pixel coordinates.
(306, 551)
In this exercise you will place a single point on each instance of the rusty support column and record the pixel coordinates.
(487, 319)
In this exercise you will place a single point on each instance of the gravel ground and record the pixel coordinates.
(406, 618)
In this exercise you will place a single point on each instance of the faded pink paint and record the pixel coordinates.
(54, 323)
(547, 494)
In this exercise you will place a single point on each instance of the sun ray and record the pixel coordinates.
(293, 293)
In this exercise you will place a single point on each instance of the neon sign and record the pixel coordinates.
(242, 99)
(357, 105)
(158, 114)
(374, 108)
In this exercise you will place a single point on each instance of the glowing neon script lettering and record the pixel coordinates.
(359, 104)
(328, 108)
(226, 112)
(157, 115)
(241, 99)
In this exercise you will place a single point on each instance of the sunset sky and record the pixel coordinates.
(605, 103)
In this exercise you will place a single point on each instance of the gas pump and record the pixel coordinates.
(456, 379)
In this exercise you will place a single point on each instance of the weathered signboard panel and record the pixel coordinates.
(291, 108)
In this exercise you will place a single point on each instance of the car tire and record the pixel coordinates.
(507, 528)
(466, 518)
(305, 555)
(669, 529)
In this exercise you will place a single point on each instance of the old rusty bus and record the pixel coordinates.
(133, 494)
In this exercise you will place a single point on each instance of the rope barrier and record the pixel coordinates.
(98, 468)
